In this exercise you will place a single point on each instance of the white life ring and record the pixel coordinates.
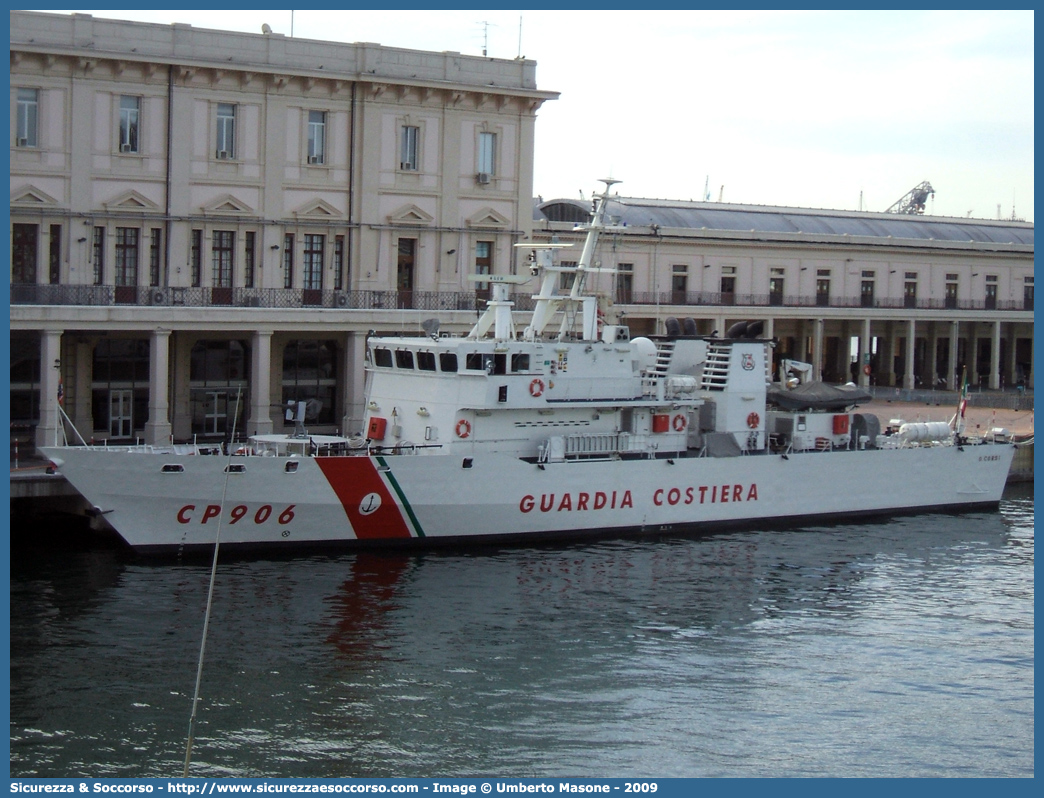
(679, 422)
(463, 428)
(536, 387)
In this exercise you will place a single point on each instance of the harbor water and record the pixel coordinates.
(901, 647)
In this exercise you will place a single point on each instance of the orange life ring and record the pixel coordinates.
(463, 428)
(679, 422)
(536, 388)
(866, 369)
(753, 420)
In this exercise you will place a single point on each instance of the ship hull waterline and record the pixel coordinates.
(489, 498)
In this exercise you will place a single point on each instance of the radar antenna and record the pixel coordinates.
(914, 200)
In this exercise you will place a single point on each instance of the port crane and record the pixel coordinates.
(914, 200)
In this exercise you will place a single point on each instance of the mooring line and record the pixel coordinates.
(210, 595)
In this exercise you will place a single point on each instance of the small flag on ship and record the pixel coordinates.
(61, 392)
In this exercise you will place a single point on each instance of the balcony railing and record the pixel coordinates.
(284, 298)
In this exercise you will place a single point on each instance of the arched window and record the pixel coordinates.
(566, 212)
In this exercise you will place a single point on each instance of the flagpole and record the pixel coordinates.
(962, 403)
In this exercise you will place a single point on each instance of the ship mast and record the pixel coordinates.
(548, 303)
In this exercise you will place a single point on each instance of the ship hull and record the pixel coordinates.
(411, 500)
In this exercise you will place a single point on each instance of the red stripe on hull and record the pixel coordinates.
(368, 503)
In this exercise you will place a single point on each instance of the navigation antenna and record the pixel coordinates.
(485, 36)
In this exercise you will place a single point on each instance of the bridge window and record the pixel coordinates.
(448, 361)
(382, 358)
(426, 361)
(404, 359)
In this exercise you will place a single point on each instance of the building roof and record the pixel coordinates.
(83, 35)
(791, 223)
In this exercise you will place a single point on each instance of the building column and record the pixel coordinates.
(817, 350)
(972, 358)
(80, 408)
(911, 332)
(260, 420)
(951, 376)
(157, 428)
(50, 376)
(932, 356)
(886, 355)
(354, 382)
(1012, 366)
(864, 355)
(995, 368)
(800, 341)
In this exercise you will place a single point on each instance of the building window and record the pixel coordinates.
(249, 258)
(910, 290)
(483, 263)
(314, 246)
(217, 377)
(226, 131)
(1027, 293)
(98, 255)
(120, 385)
(288, 260)
(951, 291)
(487, 153)
(23, 253)
(338, 263)
(822, 291)
(310, 376)
(679, 283)
(126, 256)
(728, 285)
(776, 277)
(24, 411)
(196, 258)
(866, 290)
(155, 256)
(223, 247)
(406, 262)
(317, 137)
(625, 283)
(991, 292)
(408, 156)
(822, 287)
(55, 255)
(28, 120)
(130, 115)
(866, 294)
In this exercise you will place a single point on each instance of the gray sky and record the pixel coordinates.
(808, 109)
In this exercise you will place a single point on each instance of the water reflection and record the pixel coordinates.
(902, 646)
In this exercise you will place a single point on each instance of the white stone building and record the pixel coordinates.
(884, 299)
(198, 215)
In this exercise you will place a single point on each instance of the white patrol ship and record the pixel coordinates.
(566, 428)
